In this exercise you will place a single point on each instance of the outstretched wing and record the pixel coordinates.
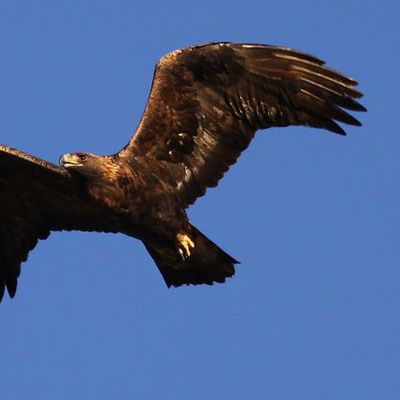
(206, 103)
(35, 198)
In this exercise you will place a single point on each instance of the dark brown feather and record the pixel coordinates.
(208, 263)
(204, 108)
(37, 197)
(217, 95)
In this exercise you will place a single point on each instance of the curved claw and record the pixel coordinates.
(185, 244)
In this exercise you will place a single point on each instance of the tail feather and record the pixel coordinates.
(207, 263)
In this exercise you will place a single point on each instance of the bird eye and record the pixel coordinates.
(82, 157)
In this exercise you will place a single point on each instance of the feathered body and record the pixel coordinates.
(204, 108)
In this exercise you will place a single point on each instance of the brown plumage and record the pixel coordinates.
(205, 106)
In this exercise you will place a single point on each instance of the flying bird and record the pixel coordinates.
(204, 107)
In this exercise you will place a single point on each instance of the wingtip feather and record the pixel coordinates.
(11, 285)
(2, 288)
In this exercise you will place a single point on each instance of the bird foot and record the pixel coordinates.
(185, 244)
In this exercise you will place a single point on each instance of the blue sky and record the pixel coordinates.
(313, 311)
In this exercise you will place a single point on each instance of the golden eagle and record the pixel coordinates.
(205, 106)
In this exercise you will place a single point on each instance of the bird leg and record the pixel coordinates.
(185, 244)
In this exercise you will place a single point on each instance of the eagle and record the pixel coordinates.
(205, 105)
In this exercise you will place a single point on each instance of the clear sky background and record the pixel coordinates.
(313, 311)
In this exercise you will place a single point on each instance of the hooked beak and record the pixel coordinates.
(70, 160)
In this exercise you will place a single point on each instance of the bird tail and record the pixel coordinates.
(207, 263)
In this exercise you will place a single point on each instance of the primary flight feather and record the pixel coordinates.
(204, 108)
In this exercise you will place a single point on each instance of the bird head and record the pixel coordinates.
(75, 160)
(88, 166)
(82, 164)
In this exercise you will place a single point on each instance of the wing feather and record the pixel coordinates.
(35, 198)
(207, 101)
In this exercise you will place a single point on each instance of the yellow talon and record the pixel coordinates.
(185, 244)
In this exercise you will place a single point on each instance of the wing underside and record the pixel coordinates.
(35, 198)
